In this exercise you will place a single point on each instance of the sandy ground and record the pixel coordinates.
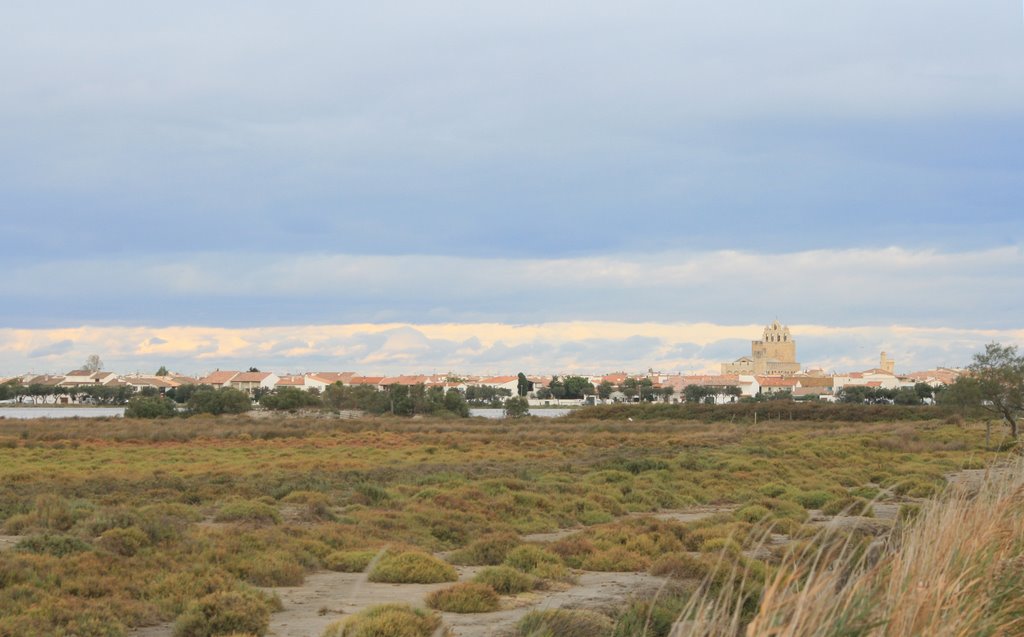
(7, 542)
(326, 597)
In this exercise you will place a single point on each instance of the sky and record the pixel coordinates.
(574, 186)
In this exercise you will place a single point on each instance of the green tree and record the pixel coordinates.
(455, 403)
(150, 407)
(226, 400)
(517, 407)
(289, 399)
(162, 371)
(523, 385)
(963, 394)
(557, 388)
(604, 390)
(999, 372)
(576, 387)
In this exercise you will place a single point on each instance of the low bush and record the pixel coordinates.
(387, 620)
(225, 613)
(487, 551)
(526, 558)
(248, 511)
(349, 561)
(650, 618)
(413, 568)
(616, 559)
(465, 597)
(56, 545)
(849, 505)
(123, 541)
(680, 566)
(564, 623)
(753, 513)
(506, 580)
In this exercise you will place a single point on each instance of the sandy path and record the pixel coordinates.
(7, 542)
(328, 596)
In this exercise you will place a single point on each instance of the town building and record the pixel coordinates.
(773, 355)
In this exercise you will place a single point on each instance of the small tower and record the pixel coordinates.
(887, 364)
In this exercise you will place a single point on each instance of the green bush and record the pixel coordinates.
(564, 623)
(349, 561)
(753, 513)
(616, 560)
(506, 580)
(150, 407)
(464, 597)
(680, 566)
(387, 620)
(527, 557)
(225, 613)
(248, 511)
(123, 541)
(413, 568)
(487, 551)
(849, 506)
(650, 619)
(56, 545)
(813, 499)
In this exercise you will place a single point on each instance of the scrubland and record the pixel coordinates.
(191, 523)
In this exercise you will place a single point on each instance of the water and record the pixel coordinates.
(60, 412)
(488, 412)
(100, 412)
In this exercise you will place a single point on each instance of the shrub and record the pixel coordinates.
(716, 544)
(813, 499)
(224, 613)
(650, 619)
(752, 513)
(349, 561)
(616, 559)
(276, 568)
(150, 407)
(465, 597)
(526, 558)
(849, 506)
(506, 580)
(680, 566)
(56, 545)
(487, 551)
(564, 623)
(248, 511)
(123, 541)
(413, 568)
(387, 620)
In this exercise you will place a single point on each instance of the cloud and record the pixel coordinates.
(512, 128)
(584, 347)
(52, 350)
(894, 285)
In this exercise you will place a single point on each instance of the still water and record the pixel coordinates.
(100, 412)
(60, 412)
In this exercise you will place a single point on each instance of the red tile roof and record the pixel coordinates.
(218, 378)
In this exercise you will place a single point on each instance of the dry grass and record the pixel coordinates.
(956, 570)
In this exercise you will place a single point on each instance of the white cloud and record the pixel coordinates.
(579, 346)
(974, 289)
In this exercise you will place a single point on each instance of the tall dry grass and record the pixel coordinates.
(956, 570)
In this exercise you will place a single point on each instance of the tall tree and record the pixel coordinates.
(523, 385)
(93, 363)
(999, 373)
(162, 371)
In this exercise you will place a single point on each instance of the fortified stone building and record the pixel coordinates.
(773, 355)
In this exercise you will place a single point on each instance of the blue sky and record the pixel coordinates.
(849, 164)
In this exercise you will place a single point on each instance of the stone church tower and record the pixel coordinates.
(773, 355)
